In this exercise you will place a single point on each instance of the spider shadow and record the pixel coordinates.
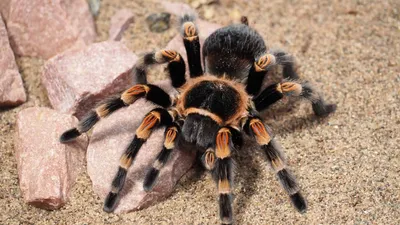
(197, 171)
(247, 174)
(283, 119)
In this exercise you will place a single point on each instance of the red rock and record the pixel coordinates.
(47, 169)
(119, 23)
(110, 138)
(44, 28)
(11, 88)
(77, 80)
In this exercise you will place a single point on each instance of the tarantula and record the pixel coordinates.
(213, 107)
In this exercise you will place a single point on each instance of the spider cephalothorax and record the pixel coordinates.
(213, 108)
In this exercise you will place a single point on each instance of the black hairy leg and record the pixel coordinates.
(171, 136)
(192, 45)
(287, 62)
(208, 158)
(151, 92)
(155, 118)
(255, 128)
(275, 92)
(223, 173)
(176, 66)
(257, 73)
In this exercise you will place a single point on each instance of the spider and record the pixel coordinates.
(213, 108)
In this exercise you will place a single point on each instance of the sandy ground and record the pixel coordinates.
(348, 165)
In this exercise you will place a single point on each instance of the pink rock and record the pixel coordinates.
(109, 140)
(119, 23)
(47, 169)
(44, 28)
(11, 88)
(4, 7)
(77, 80)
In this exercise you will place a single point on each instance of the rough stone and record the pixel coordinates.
(77, 80)
(12, 90)
(47, 169)
(44, 28)
(158, 22)
(94, 6)
(119, 23)
(110, 138)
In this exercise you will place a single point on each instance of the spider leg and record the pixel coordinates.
(192, 45)
(176, 66)
(220, 163)
(155, 118)
(208, 159)
(151, 92)
(255, 128)
(170, 137)
(275, 92)
(257, 73)
(264, 63)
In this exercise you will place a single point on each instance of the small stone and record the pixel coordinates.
(158, 22)
(77, 80)
(109, 140)
(119, 23)
(43, 28)
(235, 14)
(47, 169)
(12, 90)
(209, 13)
(94, 6)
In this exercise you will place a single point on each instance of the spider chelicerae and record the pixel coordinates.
(213, 107)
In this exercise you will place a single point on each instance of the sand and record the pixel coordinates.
(347, 165)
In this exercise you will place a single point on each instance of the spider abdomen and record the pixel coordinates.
(230, 51)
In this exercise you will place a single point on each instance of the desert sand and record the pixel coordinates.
(348, 165)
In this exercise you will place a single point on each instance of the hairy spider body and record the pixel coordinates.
(213, 108)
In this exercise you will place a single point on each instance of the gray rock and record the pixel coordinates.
(109, 140)
(158, 22)
(94, 6)
(76, 80)
(47, 169)
(119, 23)
(44, 28)
(12, 90)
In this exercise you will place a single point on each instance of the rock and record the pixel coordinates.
(158, 22)
(94, 6)
(47, 169)
(77, 80)
(110, 138)
(119, 23)
(4, 8)
(178, 9)
(44, 28)
(12, 90)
